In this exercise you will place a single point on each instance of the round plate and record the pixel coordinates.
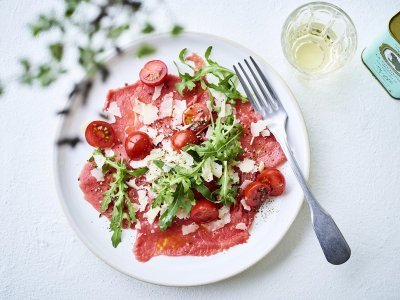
(271, 223)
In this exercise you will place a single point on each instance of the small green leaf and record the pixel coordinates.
(204, 191)
(115, 32)
(56, 51)
(176, 30)
(160, 164)
(148, 28)
(138, 172)
(145, 50)
(167, 217)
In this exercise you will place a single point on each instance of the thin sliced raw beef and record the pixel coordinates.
(151, 241)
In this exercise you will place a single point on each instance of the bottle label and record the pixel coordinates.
(383, 59)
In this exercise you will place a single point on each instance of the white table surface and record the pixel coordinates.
(355, 163)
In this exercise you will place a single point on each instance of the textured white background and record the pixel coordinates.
(355, 149)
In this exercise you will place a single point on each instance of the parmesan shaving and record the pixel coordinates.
(186, 229)
(241, 226)
(224, 218)
(179, 108)
(152, 214)
(148, 112)
(98, 174)
(166, 106)
(157, 91)
(247, 165)
(244, 204)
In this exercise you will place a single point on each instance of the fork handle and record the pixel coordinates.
(333, 244)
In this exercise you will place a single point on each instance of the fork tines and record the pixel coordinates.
(263, 98)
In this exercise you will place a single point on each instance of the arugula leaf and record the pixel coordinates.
(226, 78)
(204, 191)
(167, 217)
(117, 195)
(160, 164)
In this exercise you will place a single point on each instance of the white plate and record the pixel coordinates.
(270, 225)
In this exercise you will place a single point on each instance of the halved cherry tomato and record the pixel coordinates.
(198, 115)
(256, 193)
(153, 73)
(182, 138)
(138, 145)
(275, 178)
(100, 134)
(204, 211)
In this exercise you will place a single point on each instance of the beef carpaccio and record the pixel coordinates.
(158, 112)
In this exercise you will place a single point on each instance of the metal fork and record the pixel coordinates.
(266, 102)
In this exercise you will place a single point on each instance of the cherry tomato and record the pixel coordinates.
(138, 145)
(182, 138)
(153, 73)
(256, 193)
(198, 115)
(204, 211)
(100, 134)
(275, 178)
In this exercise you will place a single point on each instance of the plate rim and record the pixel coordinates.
(128, 46)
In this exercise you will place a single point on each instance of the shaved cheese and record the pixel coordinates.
(135, 207)
(233, 175)
(182, 213)
(152, 214)
(216, 169)
(261, 166)
(179, 108)
(226, 110)
(99, 160)
(244, 204)
(224, 218)
(163, 208)
(257, 127)
(136, 164)
(98, 174)
(206, 170)
(265, 132)
(209, 132)
(245, 183)
(166, 105)
(153, 134)
(186, 229)
(143, 199)
(187, 159)
(113, 111)
(247, 165)
(132, 183)
(157, 91)
(109, 153)
(148, 112)
(241, 226)
(138, 225)
(158, 139)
